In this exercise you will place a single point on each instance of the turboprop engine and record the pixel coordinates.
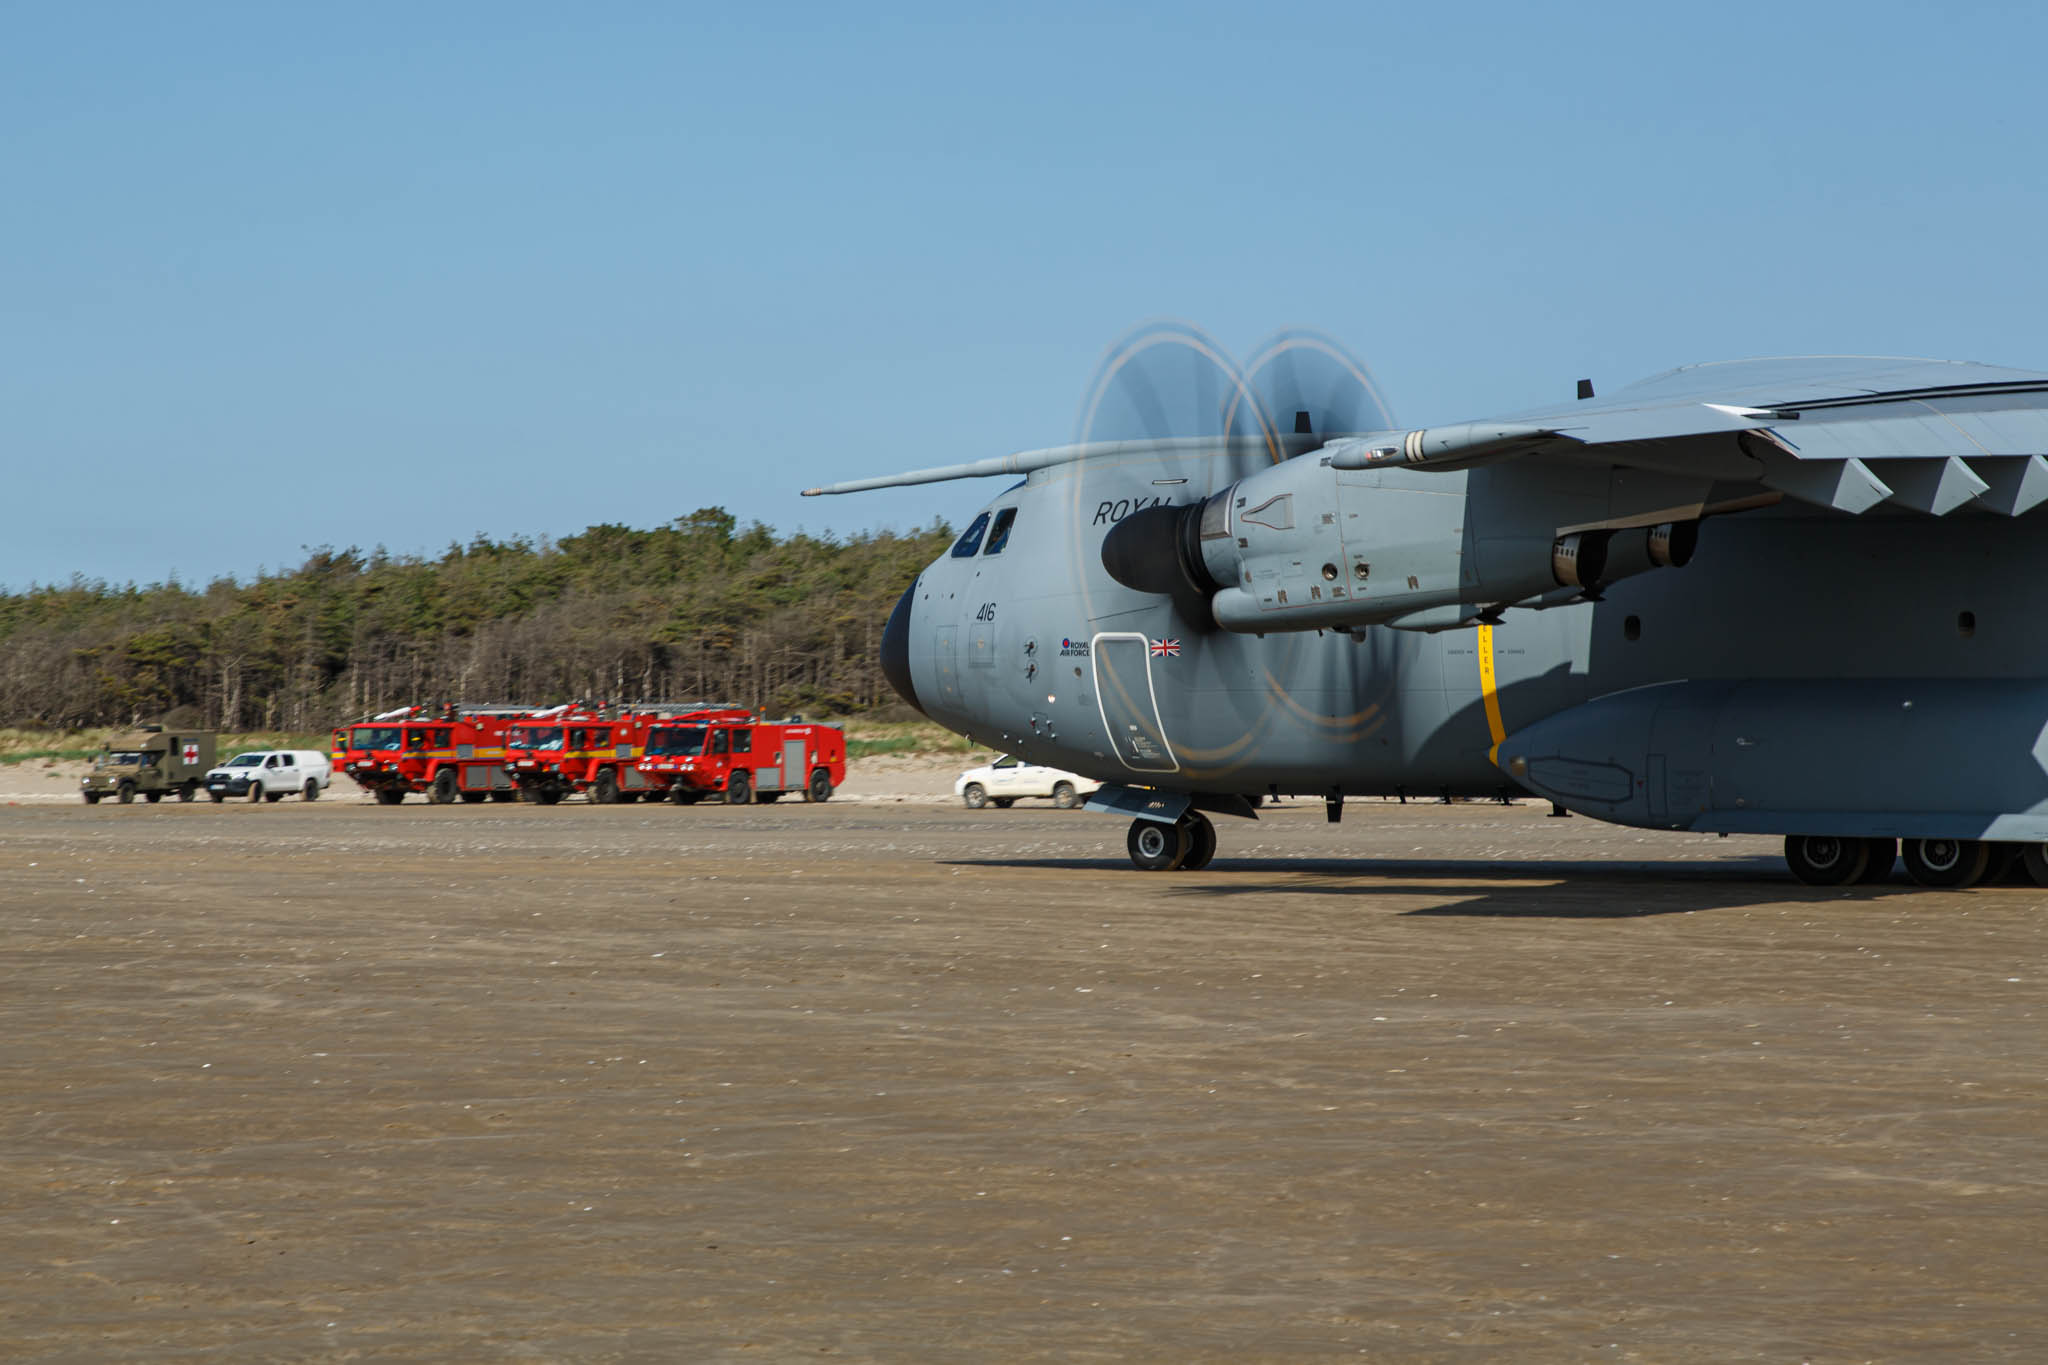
(1336, 540)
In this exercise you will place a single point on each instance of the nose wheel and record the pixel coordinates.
(1186, 845)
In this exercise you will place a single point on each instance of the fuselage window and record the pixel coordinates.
(970, 540)
(999, 536)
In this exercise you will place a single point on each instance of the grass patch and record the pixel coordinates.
(77, 746)
(872, 739)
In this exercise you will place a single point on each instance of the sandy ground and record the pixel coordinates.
(891, 1081)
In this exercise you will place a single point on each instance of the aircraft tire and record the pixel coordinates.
(975, 796)
(2034, 858)
(1884, 856)
(1950, 864)
(1825, 859)
(1155, 847)
(2000, 866)
(1201, 841)
(1064, 797)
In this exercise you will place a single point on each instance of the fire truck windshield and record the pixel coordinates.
(375, 737)
(534, 737)
(676, 739)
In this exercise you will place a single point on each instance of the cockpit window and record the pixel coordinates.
(970, 540)
(999, 535)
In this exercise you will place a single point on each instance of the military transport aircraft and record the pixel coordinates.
(1787, 596)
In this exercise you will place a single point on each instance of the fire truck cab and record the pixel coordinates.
(453, 753)
(739, 759)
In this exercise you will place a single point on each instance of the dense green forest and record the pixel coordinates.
(695, 609)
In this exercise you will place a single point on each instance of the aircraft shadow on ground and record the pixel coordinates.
(1497, 889)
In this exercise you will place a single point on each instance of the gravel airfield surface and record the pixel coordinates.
(884, 1079)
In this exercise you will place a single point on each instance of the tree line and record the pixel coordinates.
(698, 608)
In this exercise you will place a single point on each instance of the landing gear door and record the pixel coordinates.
(1130, 709)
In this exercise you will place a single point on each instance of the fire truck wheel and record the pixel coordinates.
(152, 797)
(125, 793)
(976, 796)
(738, 792)
(255, 792)
(683, 796)
(390, 796)
(604, 790)
(312, 791)
(188, 791)
(548, 796)
(820, 788)
(475, 798)
(1063, 796)
(218, 797)
(443, 792)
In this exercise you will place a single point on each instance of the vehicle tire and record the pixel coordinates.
(1155, 847)
(311, 791)
(738, 791)
(1884, 856)
(2000, 867)
(1004, 802)
(152, 797)
(255, 792)
(1947, 863)
(442, 791)
(604, 788)
(1064, 796)
(93, 798)
(680, 795)
(125, 793)
(1201, 841)
(217, 797)
(502, 796)
(819, 788)
(475, 798)
(548, 796)
(390, 796)
(2034, 858)
(188, 791)
(1825, 859)
(975, 795)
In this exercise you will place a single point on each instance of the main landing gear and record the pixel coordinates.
(1186, 845)
(1948, 864)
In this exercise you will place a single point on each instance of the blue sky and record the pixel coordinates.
(277, 277)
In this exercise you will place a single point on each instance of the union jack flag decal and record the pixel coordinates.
(1166, 649)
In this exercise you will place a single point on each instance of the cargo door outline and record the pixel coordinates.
(1128, 703)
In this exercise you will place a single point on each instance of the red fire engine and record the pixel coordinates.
(449, 753)
(742, 759)
(588, 748)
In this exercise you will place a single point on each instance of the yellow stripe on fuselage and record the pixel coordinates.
(1488, 693)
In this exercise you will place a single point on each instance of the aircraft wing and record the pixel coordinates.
(1849, 433)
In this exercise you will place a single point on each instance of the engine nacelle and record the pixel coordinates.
(1303, 546)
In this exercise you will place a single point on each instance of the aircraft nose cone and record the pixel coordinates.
(896, 649)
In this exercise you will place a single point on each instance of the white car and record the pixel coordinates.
(271, 775)
(1008, 778)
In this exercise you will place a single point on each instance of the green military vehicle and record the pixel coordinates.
(151, 762)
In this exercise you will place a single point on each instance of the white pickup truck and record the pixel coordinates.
(271, 775)
(1000, 783)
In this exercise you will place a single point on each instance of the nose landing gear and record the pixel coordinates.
(1186, 845)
